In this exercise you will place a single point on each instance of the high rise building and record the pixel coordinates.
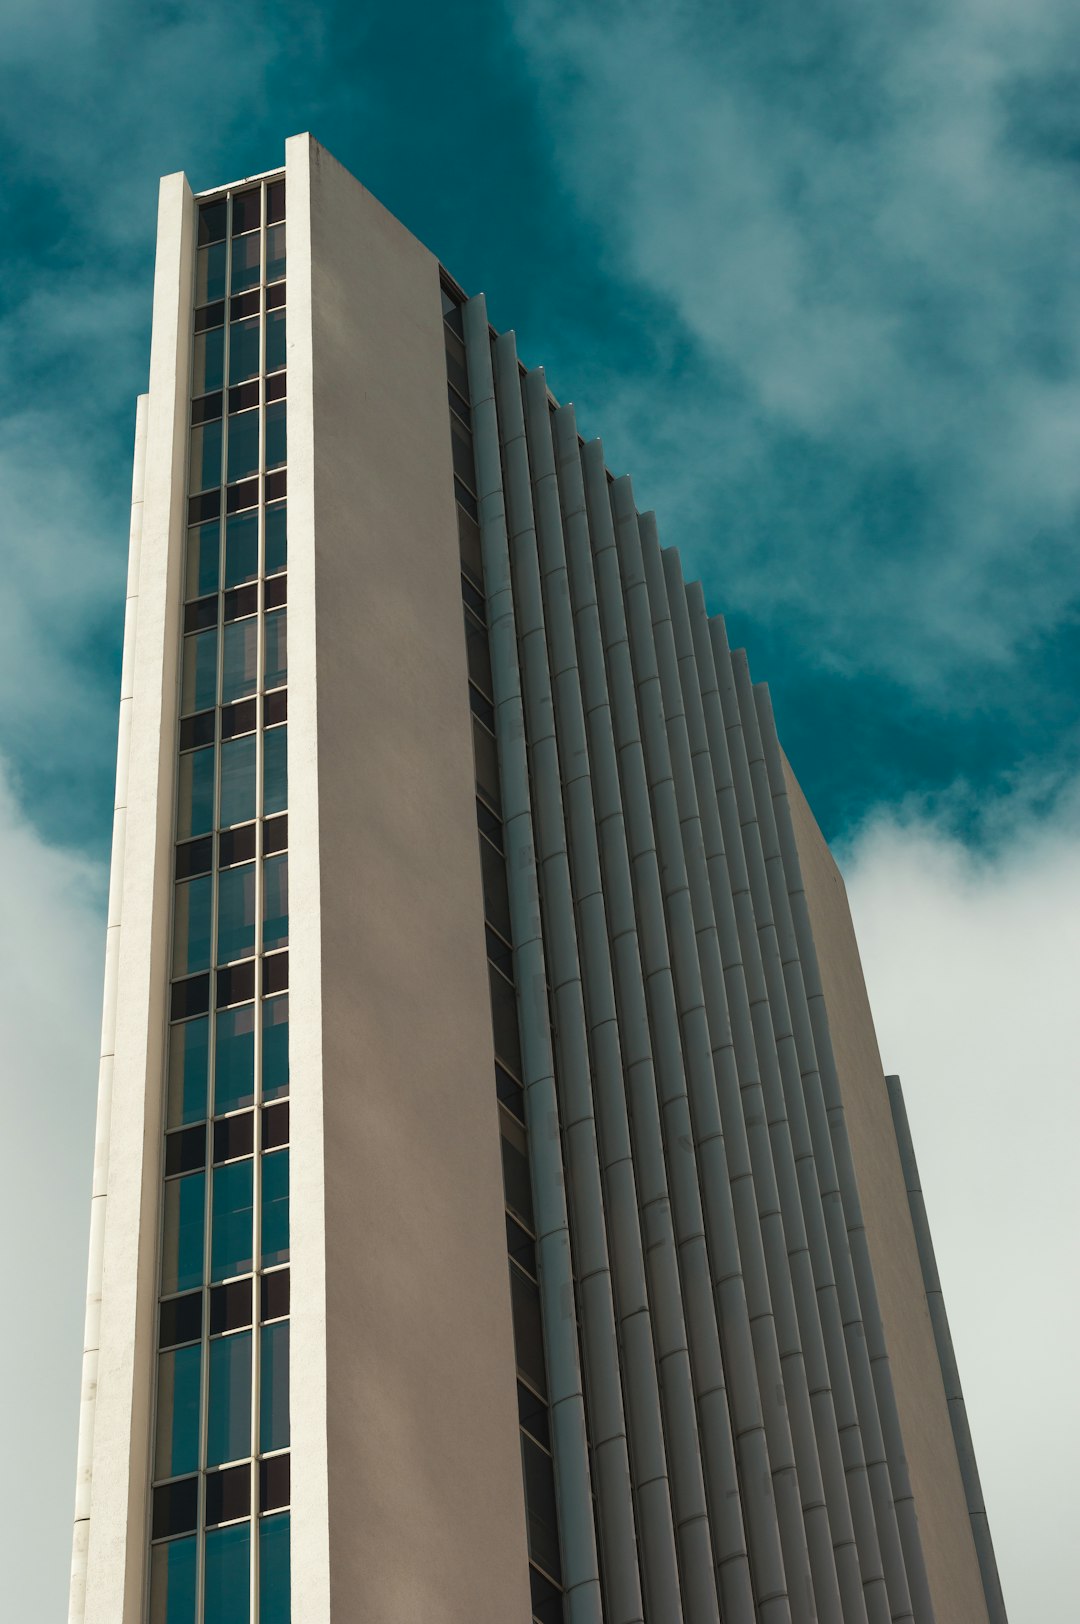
(499, 1208)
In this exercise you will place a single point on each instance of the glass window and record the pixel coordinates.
(241, 548)
(194, 857)
(243, 351)
(540, 1512)
(176, 1449)
(274, 1387)
(243, 445)
(205, 468)
(275, 1052)
(275, 253)
(208, 362)
(479, 658)
(238, 780)
(515, 1162)
(275, 341)
(275, 200)
(245, 263)
(191, 926)
(275, 931)
(234, 1058)
(528, 1332)
(199, 687)
(180, 1320)
(276, 650)
(240, 659)
(246, 211)
(227, 1577)
(274, 1581)
(230, 1306)
(274, 1482)
(236, 984)
(172, 1582)
(275, 1295)
(189, 1053)
(231, 1220)
(195, 794)
(191, 997)
(228, 1425)
(212, 218)
(210, 273)
(496, 896)
(275, 1207)
(182, 1233)
(275, 1125)
(486, 760)
(236, 913)
(176, 1507)
(203, 547)
(234, 1136)
(275, 972)
(275, 771)
(236, 845)
(275, 434)
(504, 1020)
(276, 551)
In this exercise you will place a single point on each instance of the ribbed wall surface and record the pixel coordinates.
(741, 1439)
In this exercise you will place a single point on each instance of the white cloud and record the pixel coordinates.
(51, 946)
(972, 965)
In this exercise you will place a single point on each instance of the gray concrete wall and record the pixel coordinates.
(407, 1477)
(951, 1562)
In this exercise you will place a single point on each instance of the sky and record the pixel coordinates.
(812, 271)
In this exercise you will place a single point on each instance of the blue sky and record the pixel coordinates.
(813, 273)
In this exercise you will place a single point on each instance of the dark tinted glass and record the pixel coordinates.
(212, 315)
(520, 1245)
(228, 1495)
(482, 708)
(275, 1295)
(504, 1021)
(197, 857)
(473, 598)
(276, 834)
(276, 972)
(509, 1092)
(180, 1320)
(237, 497)
(462, 452)
(244, 304)
(496, 898)
(236, 845)
(212, 218)
(244, 396)
(200, 615)
(499, 953)
(452, 317)
(489, 824)
(234, 1136)
(275, 298)
(533, 1415)
(547, 1602)
(239, 718)
(197, 730)
(466, 499)
(274, 1483)
(456, 370)
(275, 201)
(516, 1184)
(476, 648)
(276, 485)
(276, 592)
(241, 601)
(246, 210)
(206, 409)
(275, 1126)
(275, 340)
(458, 405)
(230, 1307)
(528, 1335)
(206, 506)
(176, 1507)
(540, 1506)
(275, 708)
(236, 984)
(275, 386)
(190, 998)
(469, 546)
(276, 548)
(185, 1151)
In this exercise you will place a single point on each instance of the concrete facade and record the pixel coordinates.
(742, 1391)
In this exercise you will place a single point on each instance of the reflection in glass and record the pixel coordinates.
(203, 547)
(276, 667)
(275, 931)
(238, 780)
(275, 340)
(275, 435)
(236, 913)
(182, 1233)
(195, 794)
(172, 1582)
(208, 366)
(274, 1386)
(234, 1058)
(189, 1053)
(275, 771)
(276, 557)
(191, 926)
(210, 274)
(242, 548)
(275, 1047)
(243, 445)
(176, 1449)
(228, 1427)
(227, 1575)
(245, 263)
(231, 1219)
(205, 467)
(275, 253)
(243, 350)
(240, 660)
(274, 1584)
(199, 688)
(275, 1207)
